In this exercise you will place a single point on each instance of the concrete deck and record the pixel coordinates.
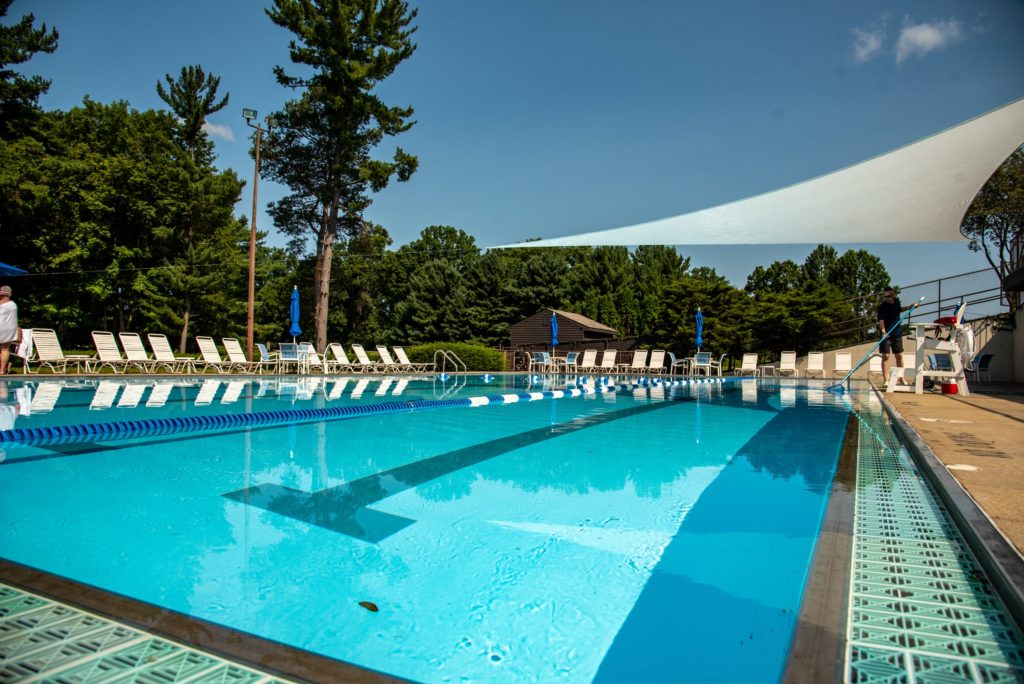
(980, 440)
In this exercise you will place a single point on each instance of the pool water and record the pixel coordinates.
(649, 534)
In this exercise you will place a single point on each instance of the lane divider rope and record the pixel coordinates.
(150, 427)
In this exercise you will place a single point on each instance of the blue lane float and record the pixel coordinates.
(153, 427)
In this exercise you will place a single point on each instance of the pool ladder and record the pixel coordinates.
(448, 356)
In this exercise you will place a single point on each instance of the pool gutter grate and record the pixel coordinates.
(45, 641)
(921, 608)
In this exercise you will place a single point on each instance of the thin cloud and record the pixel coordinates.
(917, 40)
(867, 44)
(218, 131)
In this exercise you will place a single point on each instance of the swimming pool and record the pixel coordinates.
(648, 534)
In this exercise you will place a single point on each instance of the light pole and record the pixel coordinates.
(250, 115)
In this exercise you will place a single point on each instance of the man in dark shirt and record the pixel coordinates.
(888, 320)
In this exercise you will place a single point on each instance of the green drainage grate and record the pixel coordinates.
(44, 641)
(921, 609)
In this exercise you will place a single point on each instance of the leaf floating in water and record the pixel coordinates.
(370, 606)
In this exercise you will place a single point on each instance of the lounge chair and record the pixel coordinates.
(163, 355)
(45, 398)
(357, 391)
(749, 366)
(638, 364)
(159, 394)
(207, 392)
(416, 367)
(844, 363)
(589, 361)
(385, 385)
(310, 359)
(365, 363)
(701, 364)
(656, 364)
(389, 363)
(787, 364)
(107, 352)
(236, 357)
(135, 352)
(103, 397)
(608, 361)
(48, 353)
(131, 395)
(337, 389)
(233, 391)
(211, 356)
(340, 363)
(815, 364)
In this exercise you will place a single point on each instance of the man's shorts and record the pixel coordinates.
(893, 343)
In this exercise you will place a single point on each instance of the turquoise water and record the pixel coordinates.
(660, 534)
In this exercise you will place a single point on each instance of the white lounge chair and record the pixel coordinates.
(107, 353)
(268, 360)
(135, 352)
(340, 363)
(211, 356)
(416, 367)
(638, 364)
(843, 364)
(787, 364)
(815, 364)
(749, 365)
(608, 361)
(49, 353)
(236, 357)
(164, 357)
(367, 365)
(389, 363)
(310, 359)
(656, 364)
(589, 361)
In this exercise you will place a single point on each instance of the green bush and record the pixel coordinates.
(476, 357)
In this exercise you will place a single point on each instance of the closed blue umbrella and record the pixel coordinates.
(293, 314)
(700, 328)
(554, 331)
(8, 270)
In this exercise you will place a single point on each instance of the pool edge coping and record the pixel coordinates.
(1001, 561)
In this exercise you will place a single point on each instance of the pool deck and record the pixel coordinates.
(980, 440)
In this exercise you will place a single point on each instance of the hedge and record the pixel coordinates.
(476, 357)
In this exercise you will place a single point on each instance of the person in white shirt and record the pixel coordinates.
(8, 328)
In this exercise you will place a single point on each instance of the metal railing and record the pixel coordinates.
(448, 356)
(980, 289)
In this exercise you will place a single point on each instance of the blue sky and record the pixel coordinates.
(539, 118)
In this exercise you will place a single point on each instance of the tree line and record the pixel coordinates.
(126, 223)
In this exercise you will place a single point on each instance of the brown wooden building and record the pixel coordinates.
(575, 332)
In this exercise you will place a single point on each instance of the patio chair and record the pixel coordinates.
(656, 364)
(211, 356)
(268, 359)
(787, 364)
(540, 361)
(416, 367)
(135, 352)
(701, 364)
(309, 357)
(389, 363)
(589, 360)
(365, 363)
(717, 365)
(815, 364)
(608, 361)
(107, 353)
(236, 357)
(638, 364)
(979, 368)
(677, 366)
(49, 353)
(571, 362)
(340, 363)
(875, 365)
(163, 355)
(844, 364)
(748, 367)
(287, 357)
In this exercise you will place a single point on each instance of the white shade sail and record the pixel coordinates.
(917, 193)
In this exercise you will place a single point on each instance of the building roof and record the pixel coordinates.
(917, 193)
(585, 322)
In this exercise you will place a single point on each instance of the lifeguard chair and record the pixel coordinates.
(944, 351)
